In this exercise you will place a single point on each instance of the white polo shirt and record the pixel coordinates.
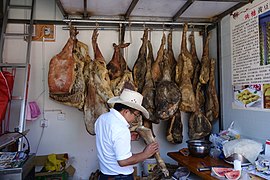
(113, 143)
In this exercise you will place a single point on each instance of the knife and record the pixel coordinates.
(208, 168)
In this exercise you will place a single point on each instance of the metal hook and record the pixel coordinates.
(130, 36)
(163, 26)
(150, 34)
(97, 25)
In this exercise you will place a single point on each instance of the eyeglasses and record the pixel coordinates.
(135, 114)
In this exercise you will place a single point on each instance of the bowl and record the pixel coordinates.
(235, 156)
(199, 148)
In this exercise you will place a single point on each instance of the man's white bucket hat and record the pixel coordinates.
(131, 99)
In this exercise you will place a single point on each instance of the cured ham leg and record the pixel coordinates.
(76, 96)
(148, 137)
(94, 104)
(171, 59)
(205, 69)
(117, 65)
(139, 68)
(101, 75)
(212, 104)
(157, 65)
(175, 129)
(61, 76)
(168, 95)
(149, 88)
(188, 97)
(120, 83)
(198, 125)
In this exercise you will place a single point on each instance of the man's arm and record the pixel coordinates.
(149, 151)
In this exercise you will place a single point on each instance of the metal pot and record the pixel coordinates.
(199, 148)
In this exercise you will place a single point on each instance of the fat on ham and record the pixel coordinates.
(76, 96)
(61, 76)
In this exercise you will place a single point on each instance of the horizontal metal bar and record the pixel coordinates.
(16, 98)
(129, 22)
(16, 34)
(20, 7)
(136, 28)
(13, 65)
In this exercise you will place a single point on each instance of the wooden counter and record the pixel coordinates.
(193, 163)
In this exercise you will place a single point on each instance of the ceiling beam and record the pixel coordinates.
(239, 1)
(61, 8)
(182, 9)
(228, 11)
(130, 8)
(85, 13)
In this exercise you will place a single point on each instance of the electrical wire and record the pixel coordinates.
(27, 151)
(41, 135)
(44, 89)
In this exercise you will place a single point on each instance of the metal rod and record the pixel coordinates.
(20, 7)
(112, 28)
(219, 65)
(3, 31)
(130, 22)
(13, 65)
(26, 77)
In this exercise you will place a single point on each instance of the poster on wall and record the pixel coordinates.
(250, 38)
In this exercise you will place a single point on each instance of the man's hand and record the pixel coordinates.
(151, 149)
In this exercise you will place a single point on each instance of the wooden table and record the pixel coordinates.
(193, 163)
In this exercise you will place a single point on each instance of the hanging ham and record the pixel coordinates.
(193, 52)
(171, 59)
(101, 75)
(139, 68)
(117, 65)
(61, 76)
(205, 69)
(120, 75)
(212, 104)
(94, 104)
(167, 94)
(188, 97)
(157, 65)
(198, 125)
(149, 89)
(122, 82)
(76, 96)
(174, 132)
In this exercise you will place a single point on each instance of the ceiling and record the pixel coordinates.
(173, 11)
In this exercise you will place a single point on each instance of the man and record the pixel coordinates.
(113, 137)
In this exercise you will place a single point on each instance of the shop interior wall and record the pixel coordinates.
(249, 123)
(70, 135)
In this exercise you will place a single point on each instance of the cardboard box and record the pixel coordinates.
(56, 175)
